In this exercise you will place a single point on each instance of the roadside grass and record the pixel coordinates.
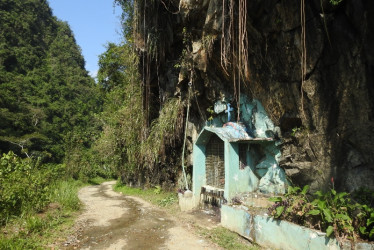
(65, 193)
(225, 238)
(45, 228)
(39, 231)
(155, 195)
(97, 180)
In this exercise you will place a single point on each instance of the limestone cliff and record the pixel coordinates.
(326, 121)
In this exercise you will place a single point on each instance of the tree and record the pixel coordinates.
(119, 145)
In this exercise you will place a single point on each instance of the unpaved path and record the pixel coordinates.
(114, 221)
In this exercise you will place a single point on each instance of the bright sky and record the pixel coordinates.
(94, 24)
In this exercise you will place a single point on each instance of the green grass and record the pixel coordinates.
(226, 239)
(37, 231)
(65, 193)
(155, 195)
(18, 243)
(34, 232)
(98, 180)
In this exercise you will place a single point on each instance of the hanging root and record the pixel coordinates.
(243, 39)
(234, 45)
(303, 55)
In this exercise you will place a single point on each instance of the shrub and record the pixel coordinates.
(332, 212)
(24, 185)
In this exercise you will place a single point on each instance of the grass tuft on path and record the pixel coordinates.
(155, 195)
(97, 180)
(226, 239)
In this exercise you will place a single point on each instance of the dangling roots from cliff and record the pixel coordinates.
(234, 45)
(303, 55)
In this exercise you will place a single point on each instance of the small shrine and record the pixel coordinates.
(232, 158)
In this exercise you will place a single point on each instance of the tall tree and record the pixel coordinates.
(122, 117)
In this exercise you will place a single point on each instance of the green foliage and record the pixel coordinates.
(225, 238)
(185, 60)
(47, 99)
(335, 211)
(119, 187)
(24, 185)
(157, 190)
(300, 131)
(168, 201)
(126, 146)
(17, 242)
(364, 196)
(113, 66)
(64, 193)
(34, 201)
(118, 148)
(127, 18)
(34, 224)
(335, 2)
(295, 130)
(364, 218)
(332, 212)
(154, 195)
(165, 130)
(97, 180)
(211, 113)
(293, 206)
(37, 230)
(366, 226)
(208, 43)
(83, 164)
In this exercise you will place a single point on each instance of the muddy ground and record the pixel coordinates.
(115, 221)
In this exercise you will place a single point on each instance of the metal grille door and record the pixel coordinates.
(215, 163)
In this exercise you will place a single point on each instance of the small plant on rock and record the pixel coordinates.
(365, 222)
(332, 212)
(294, 206)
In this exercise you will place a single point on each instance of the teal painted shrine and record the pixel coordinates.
(230, 158)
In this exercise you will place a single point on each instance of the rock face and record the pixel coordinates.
(326, 122)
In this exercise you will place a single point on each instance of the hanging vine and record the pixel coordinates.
(234, 44)
(162, 129)
(303, 55)
(148, 39)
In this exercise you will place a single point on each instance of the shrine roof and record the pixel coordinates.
(231, 132)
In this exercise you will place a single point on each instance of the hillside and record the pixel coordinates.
(47, 99)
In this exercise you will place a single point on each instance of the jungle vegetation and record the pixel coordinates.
(48, 119)
(58, 124)
(47, 99)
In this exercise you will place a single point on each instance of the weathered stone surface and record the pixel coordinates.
(327, 123)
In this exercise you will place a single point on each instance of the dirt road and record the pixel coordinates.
(115, 221)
